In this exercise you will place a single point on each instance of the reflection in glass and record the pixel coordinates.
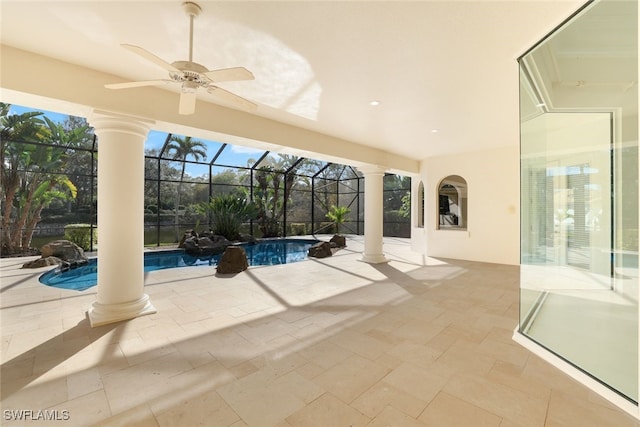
(579, 194)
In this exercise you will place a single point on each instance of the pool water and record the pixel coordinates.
(267, 252)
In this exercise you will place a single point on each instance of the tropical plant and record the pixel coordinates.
(34, 149)
(179, 148)
(228, 212)
(273, 187)
(338, 215)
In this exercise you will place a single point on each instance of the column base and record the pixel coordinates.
(103, 314)
(374, 258)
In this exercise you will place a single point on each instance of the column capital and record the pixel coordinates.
(372, 169)
(106, 121)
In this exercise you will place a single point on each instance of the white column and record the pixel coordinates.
(120, 219)
(373, 214)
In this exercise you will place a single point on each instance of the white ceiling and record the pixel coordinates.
(445, 65)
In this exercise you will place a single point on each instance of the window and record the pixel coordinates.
(420, 199)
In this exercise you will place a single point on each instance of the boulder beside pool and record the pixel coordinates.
(42, 262)
(63, 252)
(320, 250)
(234, 260)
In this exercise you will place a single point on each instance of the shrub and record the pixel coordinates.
(228, 212)
(80, 234)
(298, 228)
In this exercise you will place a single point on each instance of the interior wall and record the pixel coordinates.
(493, 227)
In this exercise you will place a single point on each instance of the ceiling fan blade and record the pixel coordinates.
(151, 57)
(187, 103)
(232, 98)
(137, 84)
(229, 74)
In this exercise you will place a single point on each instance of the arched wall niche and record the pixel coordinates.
(452, 203)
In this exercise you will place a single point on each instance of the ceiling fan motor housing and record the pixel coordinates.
(191, 8)
(190, 72)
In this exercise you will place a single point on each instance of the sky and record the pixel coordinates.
(233, 155)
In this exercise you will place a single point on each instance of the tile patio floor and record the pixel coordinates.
(331, 342)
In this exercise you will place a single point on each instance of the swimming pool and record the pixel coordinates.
(266, 252)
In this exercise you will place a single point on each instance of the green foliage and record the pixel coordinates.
(273, 187)
(180, 148)
(298, 228)
(338, 214)
(405, 208)
(80, 234)
(228, 212)
(30, 173)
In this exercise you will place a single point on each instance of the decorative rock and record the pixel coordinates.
(320, 250)
(207, 245)
(234, 260)
(187, 234)
(339, 240)
(42, 262)
(248, 238)
(66, 251)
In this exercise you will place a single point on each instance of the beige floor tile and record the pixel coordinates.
(264, 399)
(204, 409)
(417, 354)
(421, 384)
(351, 378)
(85, 410)
(381, 395)
(566, 410)
(463, 358)
(140, 416)
(415, 341)
(392, 417)
(361, 344)
(446, 410)
(500, 400)
(83, 382)
(326, 354)
(510, 375)
(138, 350)
(327, 410)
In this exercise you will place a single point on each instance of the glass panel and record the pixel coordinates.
(579, 215)
(397, 206)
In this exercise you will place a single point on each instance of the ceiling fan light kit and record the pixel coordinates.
(191, 75)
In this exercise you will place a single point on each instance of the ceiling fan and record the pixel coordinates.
(191, 75)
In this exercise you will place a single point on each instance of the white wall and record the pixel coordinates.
(493, 227)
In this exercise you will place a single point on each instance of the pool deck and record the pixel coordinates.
(416, 341)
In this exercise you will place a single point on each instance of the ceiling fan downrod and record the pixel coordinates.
(192, 10)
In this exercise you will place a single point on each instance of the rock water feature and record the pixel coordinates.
(62, 252)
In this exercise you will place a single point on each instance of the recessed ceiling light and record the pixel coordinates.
(434, 130)
(374, 103)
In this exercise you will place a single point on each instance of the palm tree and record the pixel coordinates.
(272, 189)
(181, 148)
